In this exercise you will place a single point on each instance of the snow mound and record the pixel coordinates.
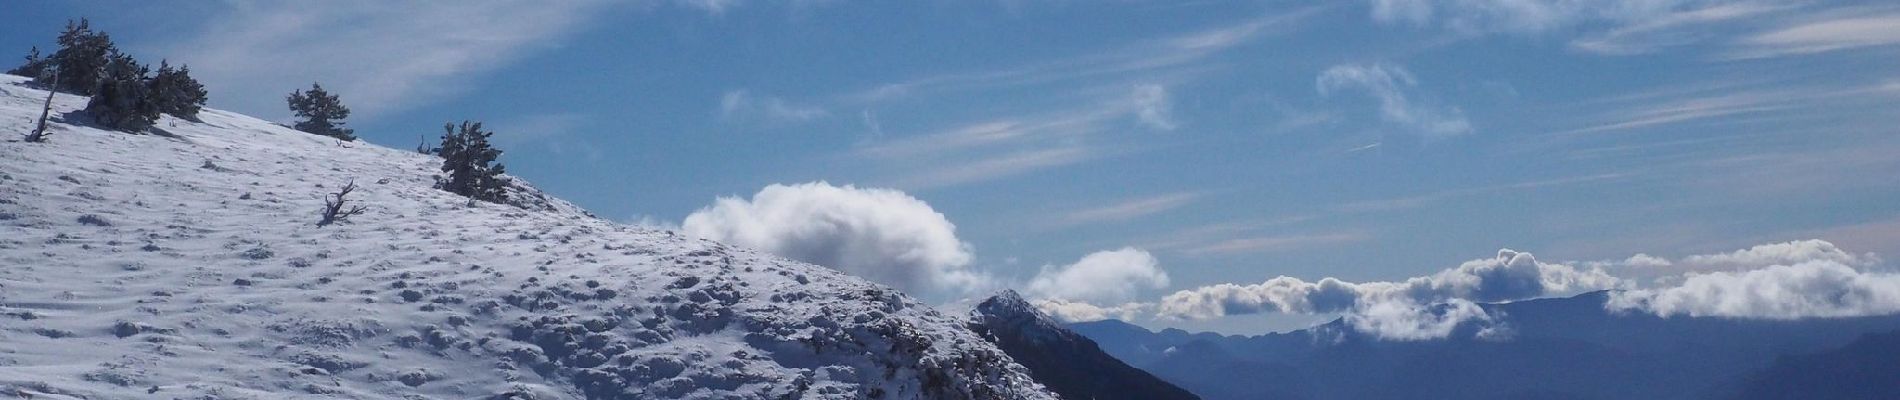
(187, 264)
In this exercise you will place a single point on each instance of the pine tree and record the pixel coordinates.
(176, 93)
(34, 67)
(322, 113)
(471, 163)
(82, 58)
(122, 100)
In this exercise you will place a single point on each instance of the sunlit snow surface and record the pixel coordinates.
(187, 264)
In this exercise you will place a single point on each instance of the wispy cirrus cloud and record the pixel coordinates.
(1153, 107)
(1834, 31)
(1010, 146)
(1523, 16)
(380, 56)
(1391, 84)
(1671, 29)
(1008, 164)
(1102, 93)
(1130, 209)
(741, 106)
(1726, 101)
(559, 133)
(1136, 58)
(1271, 243)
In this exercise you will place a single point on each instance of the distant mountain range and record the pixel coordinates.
(1868, 368)
(1567, 348)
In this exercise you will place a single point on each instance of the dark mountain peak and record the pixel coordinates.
(1007, 308)
(1067, 363)
(1007, 303)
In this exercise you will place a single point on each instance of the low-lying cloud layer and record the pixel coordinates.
(879, 234)
(1511, 275)
(890, 237)
(1789, 280)
(1786, 253)
(1075, 311)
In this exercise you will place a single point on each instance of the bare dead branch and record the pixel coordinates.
(39, 132)
(334, 206)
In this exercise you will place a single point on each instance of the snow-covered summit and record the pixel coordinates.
(1008, 308)
(187, 264)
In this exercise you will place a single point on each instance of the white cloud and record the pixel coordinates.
(1408, 321)
(1523, 16)
(1669, 29)
(715, 7)
(997, 167)
(1130, 209)
(1075, 311)
(652, 222)
(1785, 253)
(1638, 262)
(743, 106)
(379, 56)
(1270, 243)
(1817, 288)
(883, 235)
(1103, 277)
(1511, 275)
(1789, 280)
(1845, 31)
(1389, 84)
(1418, 308)
(1153, 108)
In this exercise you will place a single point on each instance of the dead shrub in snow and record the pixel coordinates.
(334, 208)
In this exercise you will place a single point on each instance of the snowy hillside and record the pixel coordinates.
(187, 264)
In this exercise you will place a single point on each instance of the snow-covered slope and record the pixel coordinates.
(188, 264)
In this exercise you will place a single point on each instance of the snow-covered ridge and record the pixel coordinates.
(1008, 308)
(189, 265)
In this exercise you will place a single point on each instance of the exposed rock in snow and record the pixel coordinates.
(189, 265)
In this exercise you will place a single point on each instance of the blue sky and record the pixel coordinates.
(1232, 142)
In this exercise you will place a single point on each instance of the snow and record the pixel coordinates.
(187, 264)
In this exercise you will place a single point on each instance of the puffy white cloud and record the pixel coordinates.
(1511, 275)
(1389, 83)
(1103, 276)
(1815, 288)
(1075, 311)
(883, 235)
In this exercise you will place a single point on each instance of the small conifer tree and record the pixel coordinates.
(83, 57)
(34, 67)
(470, 162)
(322, 113)
(122, 100)
(176, 93)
